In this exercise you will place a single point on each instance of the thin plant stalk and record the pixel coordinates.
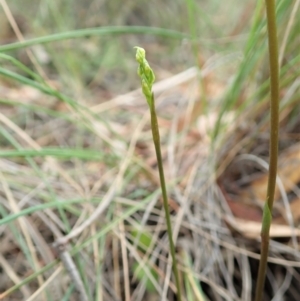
(147, 79)
(274, 124)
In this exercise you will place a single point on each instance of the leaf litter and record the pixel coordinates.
(216, 198)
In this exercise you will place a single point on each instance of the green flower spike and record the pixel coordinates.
(145, 73)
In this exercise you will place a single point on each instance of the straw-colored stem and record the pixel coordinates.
(274, 122)
(156, 140)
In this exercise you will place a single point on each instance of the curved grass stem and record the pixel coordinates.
(274, 123)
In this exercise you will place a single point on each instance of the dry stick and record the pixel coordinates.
(147, 79)
(124, 258)
(116, 267)
(41, 289)
(72, 270)
(274, 87)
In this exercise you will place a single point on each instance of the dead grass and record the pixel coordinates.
(83, 175)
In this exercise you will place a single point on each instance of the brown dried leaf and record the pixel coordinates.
(288, 171)
(252, 229)
(295, 210)
(244, 211)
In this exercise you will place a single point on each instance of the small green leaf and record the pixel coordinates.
(144, 239)
(267, 218)
(142, 276)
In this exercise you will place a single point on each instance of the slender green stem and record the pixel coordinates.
(156, 140)
(147, 79)
(274, 122)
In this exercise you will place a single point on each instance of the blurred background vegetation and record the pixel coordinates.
(106, 61)
(75, 134)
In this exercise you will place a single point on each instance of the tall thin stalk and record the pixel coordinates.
(147, 79)
(274, 123)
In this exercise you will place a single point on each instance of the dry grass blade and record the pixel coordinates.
(23, 228)
(8, 269)
(78, 163)
(20, 37)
